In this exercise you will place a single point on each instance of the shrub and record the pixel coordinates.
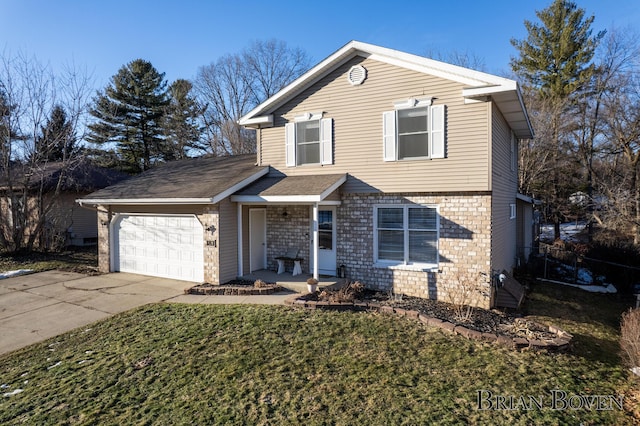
(464, 293)
(260, 284)
(348, 293)
(630, 339)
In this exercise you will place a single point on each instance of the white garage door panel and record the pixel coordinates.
(163, 246)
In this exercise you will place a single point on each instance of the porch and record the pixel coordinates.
(278, 215)
(297, 283)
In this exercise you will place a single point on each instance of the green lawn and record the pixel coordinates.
(206, 364)
(80, 259)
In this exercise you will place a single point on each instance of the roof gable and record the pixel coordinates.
(479, 85)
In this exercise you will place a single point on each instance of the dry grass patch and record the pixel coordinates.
(197, 364)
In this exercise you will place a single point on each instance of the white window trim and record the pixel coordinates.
(405, 265)
(390, 129)
(325, 139)
(413, 103)
(512, 211)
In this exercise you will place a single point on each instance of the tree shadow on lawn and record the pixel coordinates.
(592, 318)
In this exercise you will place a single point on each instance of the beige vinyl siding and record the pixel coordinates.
(504, 189)
(357, 115)
(84, 222)
(524, 235)
(228, 241)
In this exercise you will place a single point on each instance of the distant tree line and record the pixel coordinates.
(582, 90)
(139, 120)
(50, 124)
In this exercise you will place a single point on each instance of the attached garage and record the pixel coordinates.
(175, 220)
(169, 246)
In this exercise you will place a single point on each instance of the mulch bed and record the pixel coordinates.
(512, 329)
(235, 288)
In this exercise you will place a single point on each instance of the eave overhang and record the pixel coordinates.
(276, 198)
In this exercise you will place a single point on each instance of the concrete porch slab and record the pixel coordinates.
(296, 283)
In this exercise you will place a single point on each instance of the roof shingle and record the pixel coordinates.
(192, 178)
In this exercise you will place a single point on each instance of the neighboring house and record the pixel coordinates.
(399, 168)
(65, 223)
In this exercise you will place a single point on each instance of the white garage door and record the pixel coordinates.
(167, 246)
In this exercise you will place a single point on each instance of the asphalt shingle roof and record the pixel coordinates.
(191, 178)
(291, 185)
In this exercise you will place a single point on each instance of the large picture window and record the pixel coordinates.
(406, 235)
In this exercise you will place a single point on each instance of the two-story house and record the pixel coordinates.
(399, 168)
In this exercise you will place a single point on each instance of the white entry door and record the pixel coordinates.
(326, 241)
(258, 239)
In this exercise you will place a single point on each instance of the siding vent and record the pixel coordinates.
(357, 75)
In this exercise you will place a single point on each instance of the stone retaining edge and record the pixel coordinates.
(560, 343)
(233, 291)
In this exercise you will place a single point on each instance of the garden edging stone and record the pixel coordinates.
(560, 343)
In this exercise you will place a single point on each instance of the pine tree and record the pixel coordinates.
(556, 58)
(130, 113)
(182, 129)
(57, 139)
(556, 64)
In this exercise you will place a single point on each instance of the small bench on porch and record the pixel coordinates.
(290, 256)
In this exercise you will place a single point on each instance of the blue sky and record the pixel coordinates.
(178, 37)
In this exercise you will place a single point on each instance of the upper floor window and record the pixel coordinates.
(309, 140)
(414, 131)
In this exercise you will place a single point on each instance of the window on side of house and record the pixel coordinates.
(416, 132)
(512, 211)
(406, 235)
(309, 140)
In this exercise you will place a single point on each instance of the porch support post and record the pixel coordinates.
(315, 241)
(239, 225)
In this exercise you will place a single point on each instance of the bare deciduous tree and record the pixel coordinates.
(234, 84)
(29, 92)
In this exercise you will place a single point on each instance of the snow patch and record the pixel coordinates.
(568, 231)
(15, 273)
(608, 288)
(54, 365)
(13, 392)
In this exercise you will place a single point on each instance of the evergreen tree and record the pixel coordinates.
(556, 57)
(57, 138)
(130, 113)
(555, 63)
(182, 129)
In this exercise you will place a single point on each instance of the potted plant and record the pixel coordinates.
(312, 285)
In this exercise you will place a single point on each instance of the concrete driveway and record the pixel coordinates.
(38, 306)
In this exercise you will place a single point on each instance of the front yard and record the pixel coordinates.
(80, 259)
(197, 364)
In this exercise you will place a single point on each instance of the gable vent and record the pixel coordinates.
(357, 75)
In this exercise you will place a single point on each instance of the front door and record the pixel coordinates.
(258, 239)
(326, 241)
